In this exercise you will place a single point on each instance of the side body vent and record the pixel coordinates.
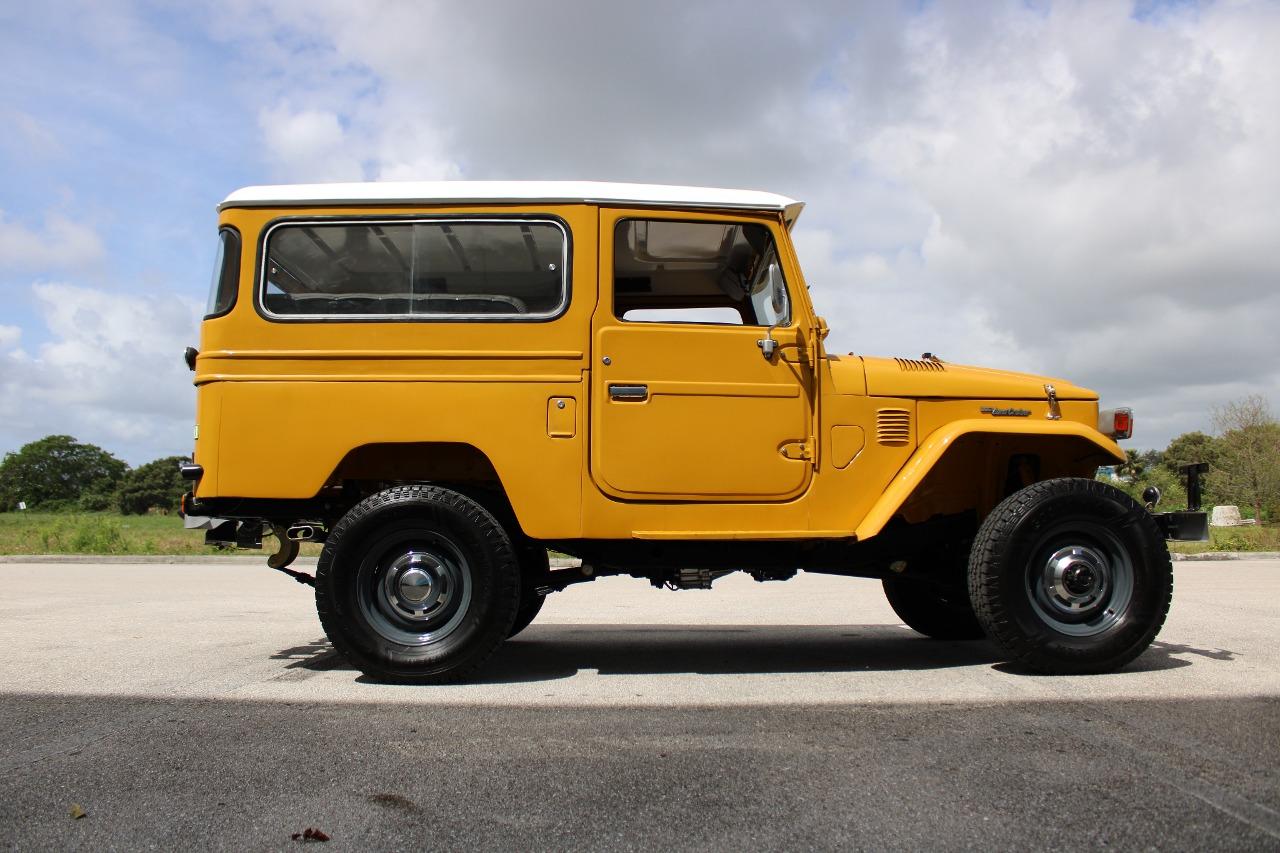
(916, 365)
(893, 427)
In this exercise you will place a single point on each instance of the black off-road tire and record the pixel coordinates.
(417, 584)
(937, 612)
(534, 567)
(1071, 576)
(530, 606)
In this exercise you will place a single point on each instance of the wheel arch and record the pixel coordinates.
(964, 465)
(462, 467)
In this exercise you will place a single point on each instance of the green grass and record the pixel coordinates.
(107, 533)
(1260, 537)
(163, 535)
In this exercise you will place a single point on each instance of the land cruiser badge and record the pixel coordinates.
(1005, 413)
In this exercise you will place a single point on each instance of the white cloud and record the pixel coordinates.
(1066, 189)
(61, 244)
(1069, 189)
(36, 139)
(111, 373)
(309, 145)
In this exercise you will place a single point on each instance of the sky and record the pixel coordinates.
(1085, 190)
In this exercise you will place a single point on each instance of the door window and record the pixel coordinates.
(698, 272)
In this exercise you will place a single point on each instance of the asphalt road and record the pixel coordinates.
(200, 706)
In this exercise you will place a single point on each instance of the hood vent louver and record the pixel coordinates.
(916, 365)
(893, 427)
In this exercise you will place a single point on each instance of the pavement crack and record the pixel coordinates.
(1247, 811)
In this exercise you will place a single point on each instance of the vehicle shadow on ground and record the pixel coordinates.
(1158, 656)
(548, 652)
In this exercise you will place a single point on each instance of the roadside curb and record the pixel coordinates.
(173, 559)
(1228, 555)
(185, 559)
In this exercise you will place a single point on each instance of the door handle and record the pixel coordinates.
(628, 392)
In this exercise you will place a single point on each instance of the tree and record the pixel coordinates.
(1143, 468)
(54, 471)
(1133, 467)
(1249, 453)
(157, 485)
(1190, 448)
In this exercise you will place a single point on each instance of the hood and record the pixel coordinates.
(908, 377)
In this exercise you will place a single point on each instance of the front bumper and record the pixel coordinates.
(1183, 525)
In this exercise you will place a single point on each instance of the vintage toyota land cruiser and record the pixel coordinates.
(442, 381)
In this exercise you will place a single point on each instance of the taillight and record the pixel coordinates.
(1117, 423)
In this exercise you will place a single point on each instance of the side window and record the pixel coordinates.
(226, 274)
(698, 272)
(436, 269)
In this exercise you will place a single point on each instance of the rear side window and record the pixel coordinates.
(226, 274)
(434, 269)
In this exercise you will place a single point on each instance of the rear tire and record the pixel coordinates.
(417, 584)
(1071, 576)
(936, 612)
(530, 606)
(535, 568)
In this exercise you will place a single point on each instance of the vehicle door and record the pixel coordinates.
(702, 379)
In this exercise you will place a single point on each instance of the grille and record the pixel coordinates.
(893, 427)
(917, 365)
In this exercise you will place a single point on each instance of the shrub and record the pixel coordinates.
(156, 485)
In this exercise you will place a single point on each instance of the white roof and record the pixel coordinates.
(511, 192)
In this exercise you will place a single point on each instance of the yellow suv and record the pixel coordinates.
(441, 381)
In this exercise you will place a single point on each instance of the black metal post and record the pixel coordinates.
(1193, 472)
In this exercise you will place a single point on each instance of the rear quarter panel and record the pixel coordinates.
(281, 403)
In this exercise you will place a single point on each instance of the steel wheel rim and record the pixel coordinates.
(1080, 581)
(416, 589)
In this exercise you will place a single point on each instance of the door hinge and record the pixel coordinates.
(797, 449)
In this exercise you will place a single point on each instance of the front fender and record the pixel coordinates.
(941, 439)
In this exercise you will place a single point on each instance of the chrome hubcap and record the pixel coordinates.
(417, 585)
(1076, 578)
(418, 593)
(1082, 589)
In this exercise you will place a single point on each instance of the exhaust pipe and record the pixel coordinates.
(302, 532)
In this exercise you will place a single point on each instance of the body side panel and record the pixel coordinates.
(294, 398)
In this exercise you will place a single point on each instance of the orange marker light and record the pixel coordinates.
(1124, 423)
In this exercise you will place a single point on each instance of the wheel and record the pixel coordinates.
(417, 584)
(529, 609)
(938, 612)
(534, 566)
(1071, 576)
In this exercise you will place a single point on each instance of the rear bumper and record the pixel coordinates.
(1184, 525)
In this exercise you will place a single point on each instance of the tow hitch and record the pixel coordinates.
(1191, 524)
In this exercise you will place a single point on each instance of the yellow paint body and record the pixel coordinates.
(725, 445)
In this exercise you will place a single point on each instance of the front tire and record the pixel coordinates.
(1071, 576)
(417, 584)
